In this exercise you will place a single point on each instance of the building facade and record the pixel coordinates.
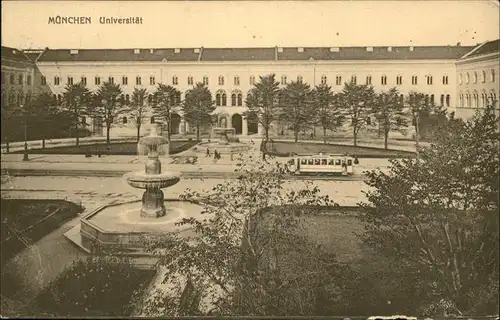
(231, 73)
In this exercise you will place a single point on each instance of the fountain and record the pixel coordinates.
(124, 226)
(224, 145)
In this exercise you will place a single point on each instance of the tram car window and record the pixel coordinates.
(316, 162)
(303, 161)
(331, 162)
(337, 162)
(310, 162)
(323, 162)
(349, 162)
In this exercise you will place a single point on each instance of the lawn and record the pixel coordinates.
(24, 222)
(124, 148)
(288, 148)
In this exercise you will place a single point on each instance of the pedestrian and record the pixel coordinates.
(208, 153)
(356, 160)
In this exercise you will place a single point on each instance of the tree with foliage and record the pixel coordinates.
(263, 103)
(357, 103)
(326, 109)
(426, 116)
(107, 104)
(198, 107)
(436, 219)
(296, 107)
(8, 112)
(390, 112)
(249, 254)
(166, 101)
(138, 108)
(45, 111)
(76, 100)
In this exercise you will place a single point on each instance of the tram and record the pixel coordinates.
(327, 164)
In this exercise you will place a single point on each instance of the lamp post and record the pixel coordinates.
(25, 156)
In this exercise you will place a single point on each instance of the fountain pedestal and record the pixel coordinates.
(153, 204)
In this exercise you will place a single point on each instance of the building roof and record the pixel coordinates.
(14, 54)
(258, 54)
(486, 48)
(374, 53)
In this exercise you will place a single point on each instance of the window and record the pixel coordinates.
(460, 79)
(127, 98)
(323, 162)
(399, 80)
(138, 81)
(224, 99)
(190, 81)
(12, 80)
(124, 120)
(474, 77)
(331, 162)
(205, 80)
(111, 80)
(28, 80)
(70, 80)
(445, 79)
(369, 80)
(492, 75)
(124, 81)
(353, 79)
(233, 99)
(152, 81)
(337, 162)
(467, 78)
(240, 99)
(442, 100)
(97, 81)
(283, 79)
(317, 162)
(414, 80)
(432, 98)
(310, 161)
(383, 80)
(252, 80)
(303, 161)
(236, 81)
(429, 80)
(57, 81)
(152, 120)
(150, 99)
(83, 81)
(178, 97)
(476, 100)
(483, 77)
(299, 79)
(338, 80)
(220, 98)
(20, 79)
(44, 80)
(221, 80)
(323, 79)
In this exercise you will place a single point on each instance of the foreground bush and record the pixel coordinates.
(99, 286)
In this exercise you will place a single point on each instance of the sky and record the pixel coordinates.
(178, 24)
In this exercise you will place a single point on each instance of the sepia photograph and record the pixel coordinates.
(256, 159)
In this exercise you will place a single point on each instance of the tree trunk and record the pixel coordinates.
(108, 128)
(43, 143)
(296, 135)
(355, 135)
(197, 132)
(138, 133)
(267, 133)
(8, 147)
(77, 134)
(386, 138)
(324, 135)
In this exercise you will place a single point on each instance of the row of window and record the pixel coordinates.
(221, 99)
(472, 100)
(20, 79)
(284, 80)
(475, 77)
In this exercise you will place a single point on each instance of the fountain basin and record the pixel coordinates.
(120, 227)
(141, 180)
(154, 140)
(230, 148)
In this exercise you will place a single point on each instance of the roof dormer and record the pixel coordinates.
(137, 51)
(300, 49)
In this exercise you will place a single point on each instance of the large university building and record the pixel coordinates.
(461, 78)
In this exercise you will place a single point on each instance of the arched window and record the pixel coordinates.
(442, 100)
(461, 100)
(492, 75)
(127, 98)
(240, 99)
(221, 80)
(483, 77)
(178, 97)
(402, 99)
(448, 98)
(432, 98)
(467, 97)
(224, 99)
(124, 120)
(475, 100)
(233, 99)
(152, 120)
(460, 79)
(299, 79)
(474, 79)
(467, 78)
(426, 99)
(205, 80)
(323, 79)
(54, 98)
(217, 99)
